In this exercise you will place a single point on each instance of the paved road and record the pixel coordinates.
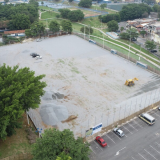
(141, 142)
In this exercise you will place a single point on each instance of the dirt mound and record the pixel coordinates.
(70, 118)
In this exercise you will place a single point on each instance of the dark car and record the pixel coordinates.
(34, 55)
(133, 39)
(101, 141)
(153, 50)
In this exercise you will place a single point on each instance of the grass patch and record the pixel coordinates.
(48, 14)
(45, 8)
(16, 144)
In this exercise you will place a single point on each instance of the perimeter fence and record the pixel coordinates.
(133, 59)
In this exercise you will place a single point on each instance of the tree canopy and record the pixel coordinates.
(20, 90)
(54, 26)
(87, 30)
(19, 21)
(133, 33)
(85, 3)
(124, 35)
(110, 17)
(37, 28)
(150, 45)
(66, 26)
(112, 25)
(19, 14)
(103, 5)
(133, 11)
(57, 143)
(74, 16)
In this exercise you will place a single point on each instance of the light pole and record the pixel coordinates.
(129, 45)
(89, 31)
(84, 31)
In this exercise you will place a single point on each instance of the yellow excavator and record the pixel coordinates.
(130, 82)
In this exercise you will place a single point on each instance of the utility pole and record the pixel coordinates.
(129, 45)
(89, 31)
(84, 31)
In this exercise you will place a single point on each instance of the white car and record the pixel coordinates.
(118, 132)
(39, 57)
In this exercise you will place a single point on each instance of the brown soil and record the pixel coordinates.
(70, 118)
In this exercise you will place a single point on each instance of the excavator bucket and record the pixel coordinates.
(135, 79)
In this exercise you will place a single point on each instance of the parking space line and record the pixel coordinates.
(157, 114)
(133, 127)
(133, 158)
(116, 135)
(151, 154)
(92, 149)
(142, 156)
(154, 149)
(158, 143)
(110, 138)
(127, 130)
(138, 124)
(98, 146)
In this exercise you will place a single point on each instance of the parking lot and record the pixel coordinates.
(141, 142)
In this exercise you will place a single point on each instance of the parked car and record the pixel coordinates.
(159, 108)
(34, 55)
(153, 50)
(38, 57)
(101, 141)
(133, 39)
(118, 132)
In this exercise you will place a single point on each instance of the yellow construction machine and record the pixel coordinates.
(130, 82)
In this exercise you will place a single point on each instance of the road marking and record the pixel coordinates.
(119, 151)
(98, 146)
(138, 124)
(158, 144)
(157, 114)
(116, 135)
(142, 156)
(133, 158)
(92, 149)
(127, 129)
(110, 138)
(151, 154)
(133, 127)
(154, 149)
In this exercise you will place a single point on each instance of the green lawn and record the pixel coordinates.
(48, 14)
(45, 8)
(16, 144)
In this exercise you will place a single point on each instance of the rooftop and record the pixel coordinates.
(13, 32)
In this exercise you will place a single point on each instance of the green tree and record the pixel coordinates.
(124, 35)
(42, 3)
(150, 45)
(85, 3)
(66, 26)
(28, 32)
(75, 15)
(19, 22)
(64, 12)
(37, 28)
(103, 6)
(54, 26)
(133, 33)
(87, 30)
(122, 28)
(112, 25)
(109, 17)
(133, 11)
(54, 142)
(143, 33)
(20, 90)
(63, 156)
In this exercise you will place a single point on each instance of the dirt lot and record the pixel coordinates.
(91, 78)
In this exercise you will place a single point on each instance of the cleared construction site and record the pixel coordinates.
(85, 83)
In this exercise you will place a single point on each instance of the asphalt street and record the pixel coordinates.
(141, 142)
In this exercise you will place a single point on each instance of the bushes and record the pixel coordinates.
(74, 16)
(110, 17)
